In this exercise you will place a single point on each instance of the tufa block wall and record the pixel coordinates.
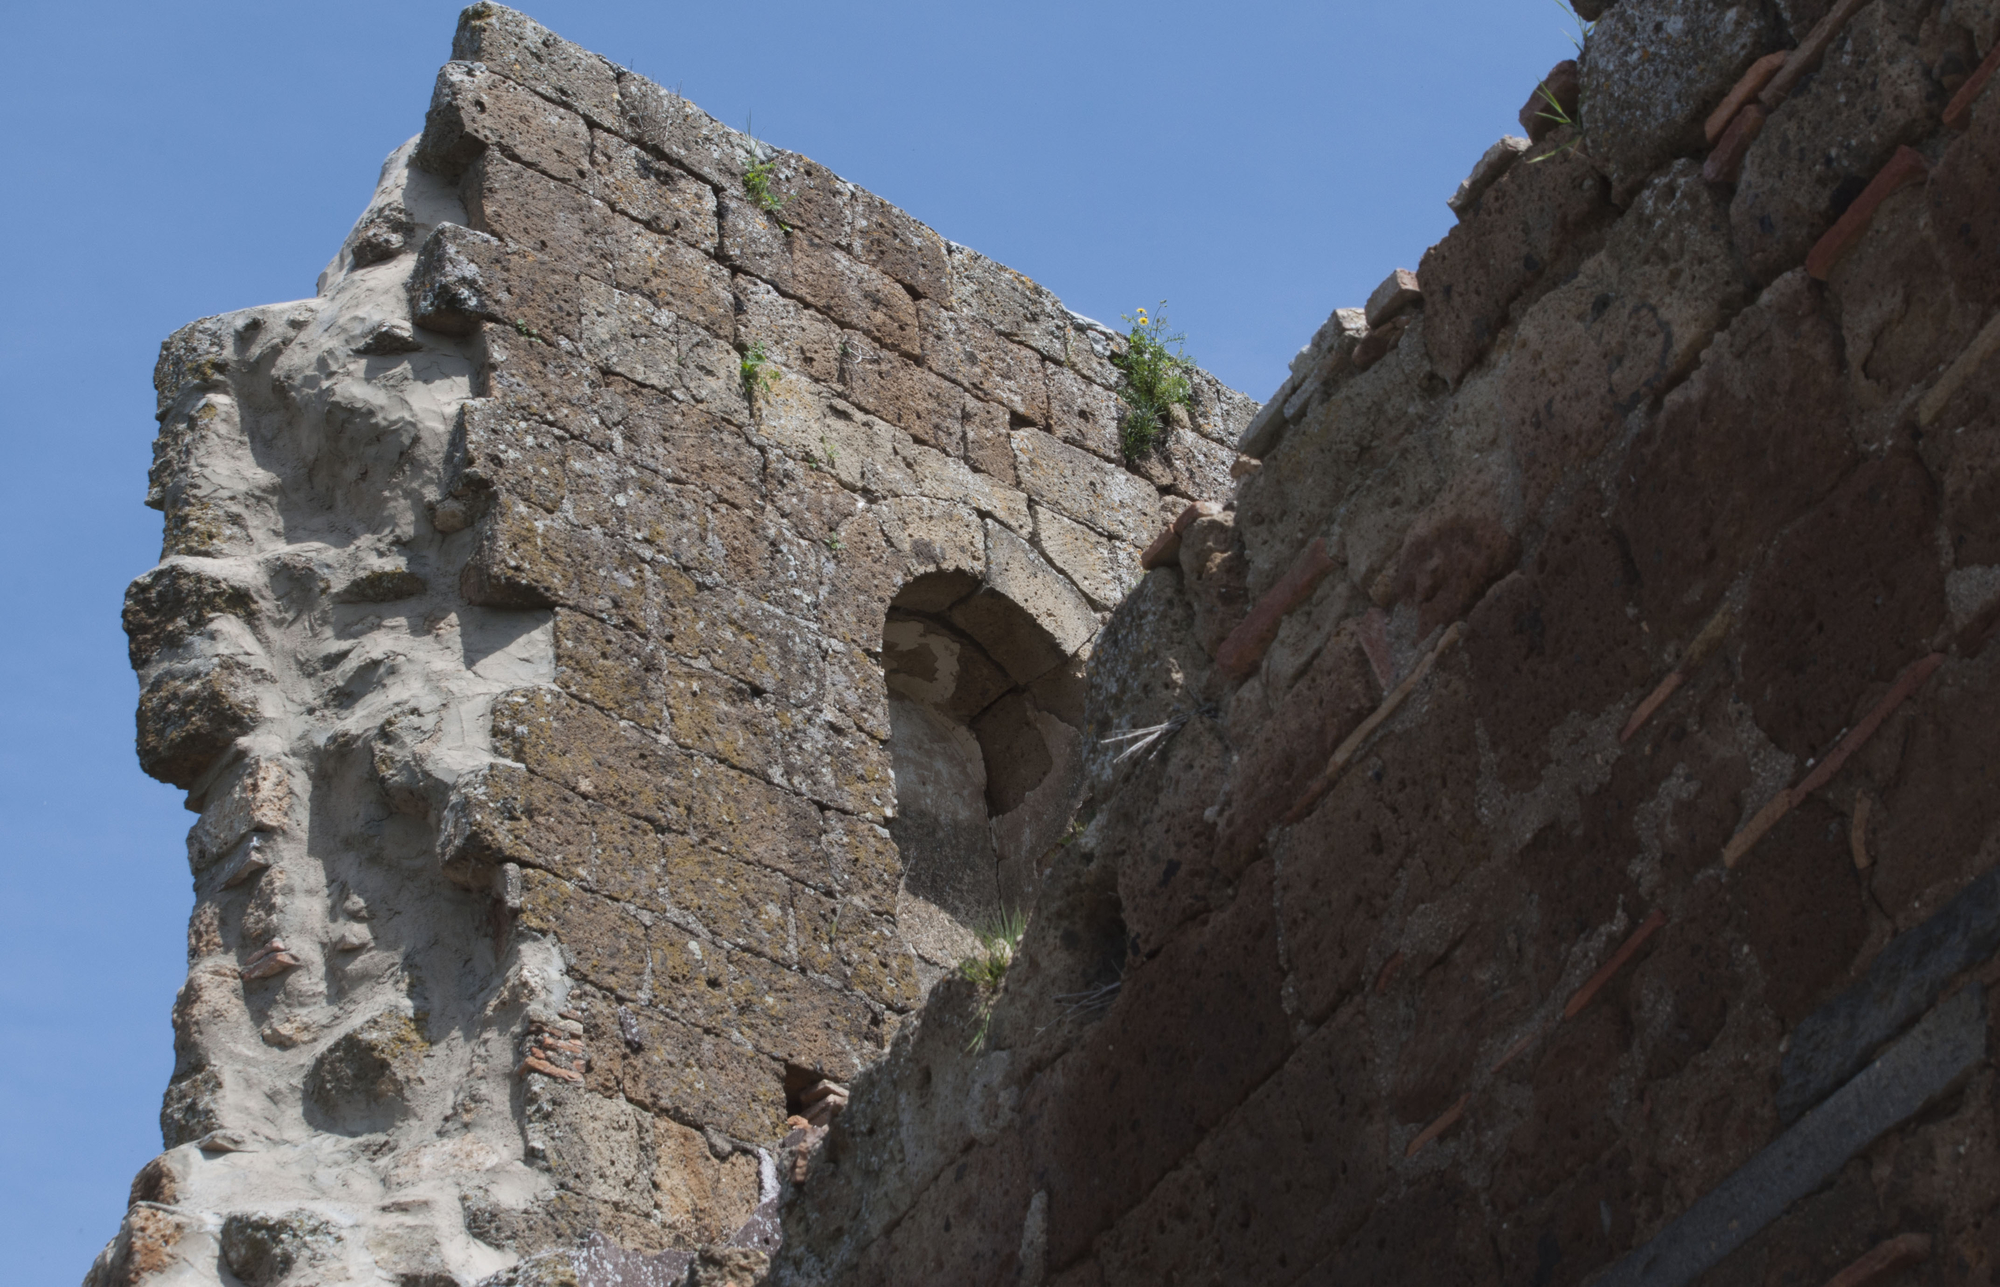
(536, 609)
(1570, 853)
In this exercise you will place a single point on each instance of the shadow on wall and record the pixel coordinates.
(985, 710)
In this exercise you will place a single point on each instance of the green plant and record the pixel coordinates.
(987, 967)
(1583, 29)
(754, 368)
(1554, 112)
(527, 332)
(1157, 379)
(833, 544)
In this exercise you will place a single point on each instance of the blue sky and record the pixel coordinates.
(1255, 164)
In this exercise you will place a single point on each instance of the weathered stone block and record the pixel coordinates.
(1656, 69)
(258, 797)
(603, 942)
(508, 815)
(1774, 366)
(1084, 414)
(364, 1080)
(262, 1250)
(929, 407)
(1533, 225)
(167, 605)
(659, 348)
(1022, 310)
(556, 736)
(473, 109)
(1848, 596)
(1085, 488)
(639, 186)
(1622, 332)
(192, 712)
(1819, 149)
(971, 353)
(886, 238)
(521, 49)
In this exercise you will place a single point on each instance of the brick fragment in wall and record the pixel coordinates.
(1655, 71)
(1820, 147)
(1910, 1074)
(1493, 163)
(1244, 647)
(1533, 225)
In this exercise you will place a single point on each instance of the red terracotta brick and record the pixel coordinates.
(1658, 698)
(1244, 648)
(1446, 1120)
(1609, 970)
(1726, 161)
(1806, 57)
(1905, 686)
(1907, 1249)
(1904, 168)
(1379, 342)
(1747, 89)
(1958, 112)
(1346, 750)
(1166, 547)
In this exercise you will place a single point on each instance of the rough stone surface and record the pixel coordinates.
(600, 748)
(596, 744)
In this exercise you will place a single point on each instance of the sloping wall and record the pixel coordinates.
(1571, 853)
(519, 637)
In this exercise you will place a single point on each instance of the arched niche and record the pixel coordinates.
(985, 712)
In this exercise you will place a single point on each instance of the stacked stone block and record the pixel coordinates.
(1569, 859)
(519, 637)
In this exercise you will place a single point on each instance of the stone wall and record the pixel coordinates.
(621, 638)
(1568, 853)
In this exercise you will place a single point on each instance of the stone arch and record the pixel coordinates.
(985, 701)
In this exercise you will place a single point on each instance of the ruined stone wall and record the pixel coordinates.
(620, 637)
(1570, 848)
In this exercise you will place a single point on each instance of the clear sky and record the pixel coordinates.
(1256, 164)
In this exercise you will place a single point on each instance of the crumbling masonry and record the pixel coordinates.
(1521, 806)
